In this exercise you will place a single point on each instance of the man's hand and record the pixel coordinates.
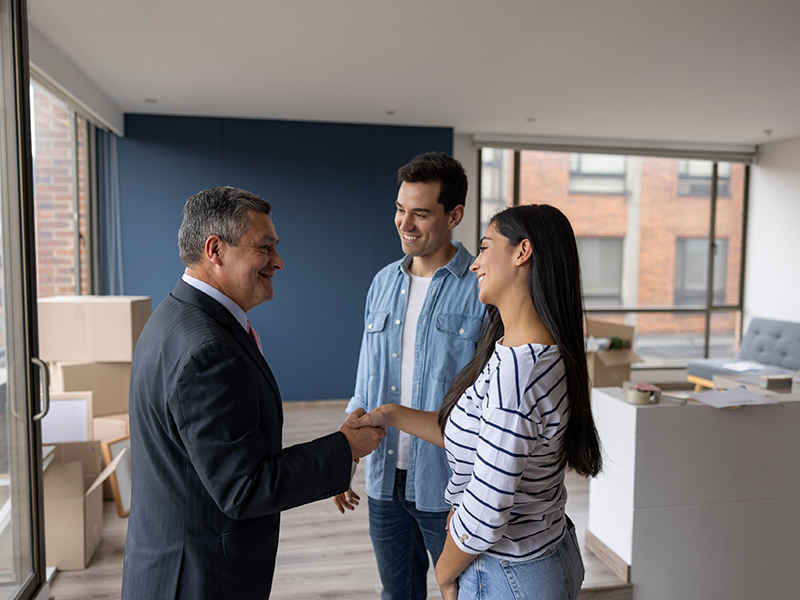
(363, 440)
(348, 500)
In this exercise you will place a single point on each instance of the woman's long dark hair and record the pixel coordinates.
(554, 283)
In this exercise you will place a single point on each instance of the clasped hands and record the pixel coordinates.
(363, 432)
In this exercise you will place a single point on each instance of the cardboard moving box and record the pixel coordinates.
(91, 328)
(610, 368)
(73, 504)
(111, 427)
(109, 383)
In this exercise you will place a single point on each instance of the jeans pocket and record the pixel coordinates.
(549, 575)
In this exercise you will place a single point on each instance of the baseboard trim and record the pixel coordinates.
(608, 557)
(316, 405)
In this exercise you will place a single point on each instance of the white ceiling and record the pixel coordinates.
(714, 71)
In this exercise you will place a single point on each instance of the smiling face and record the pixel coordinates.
(423, 225)
(497, 267)
(245, 271)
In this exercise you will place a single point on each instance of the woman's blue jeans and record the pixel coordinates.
(555, 575)
(402, 536)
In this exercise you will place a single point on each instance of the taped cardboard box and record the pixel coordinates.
(91, 328)
(109, 383)
(610, 368)
(73, 504)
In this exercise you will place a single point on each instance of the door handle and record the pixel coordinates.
(45, 387)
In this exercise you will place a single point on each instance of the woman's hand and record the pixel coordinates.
(450, 566)
(380, 417)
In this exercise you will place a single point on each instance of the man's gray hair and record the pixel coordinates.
(220, 211)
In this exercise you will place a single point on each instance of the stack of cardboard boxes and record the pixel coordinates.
(88, 342)
(611, 368)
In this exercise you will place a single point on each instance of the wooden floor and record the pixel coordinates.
(323, 555)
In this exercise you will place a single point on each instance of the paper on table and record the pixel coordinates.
(743, 365)
(729, 398)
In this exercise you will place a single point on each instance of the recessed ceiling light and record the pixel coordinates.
(530, 119)
(768, 132)
(389, 113)
(150, 100)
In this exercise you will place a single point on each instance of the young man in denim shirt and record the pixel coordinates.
(422, 322)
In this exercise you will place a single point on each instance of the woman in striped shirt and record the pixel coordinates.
(515, 419)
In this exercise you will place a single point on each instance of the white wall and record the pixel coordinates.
(772, 277)
(49, 64)
(467, 232)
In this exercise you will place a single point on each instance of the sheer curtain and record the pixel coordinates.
(109, 217)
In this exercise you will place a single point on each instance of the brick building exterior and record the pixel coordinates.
(54, 142)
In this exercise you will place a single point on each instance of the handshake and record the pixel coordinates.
(364, 431)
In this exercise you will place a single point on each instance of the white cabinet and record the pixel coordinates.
(702, 503)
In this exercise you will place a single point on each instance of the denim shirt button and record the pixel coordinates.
(397, 322)
(461, 331)
(394, 354)
(391, 452)
(394, 388)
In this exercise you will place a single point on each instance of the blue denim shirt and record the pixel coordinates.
(447, 332)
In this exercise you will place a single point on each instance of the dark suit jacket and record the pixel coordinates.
(210, 476)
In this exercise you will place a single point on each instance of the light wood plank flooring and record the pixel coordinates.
(323, 555)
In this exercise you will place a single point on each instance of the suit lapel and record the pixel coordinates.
(186, 293)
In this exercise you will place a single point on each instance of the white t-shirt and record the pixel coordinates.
(417, 292)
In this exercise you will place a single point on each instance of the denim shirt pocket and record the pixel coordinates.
(377, 346)
(454, 339)
(376, 321)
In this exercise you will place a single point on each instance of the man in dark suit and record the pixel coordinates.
(210, 476)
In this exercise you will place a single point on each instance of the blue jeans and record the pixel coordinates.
(402, 536)
(555, 575)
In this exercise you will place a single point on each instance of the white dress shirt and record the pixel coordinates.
(234, 308)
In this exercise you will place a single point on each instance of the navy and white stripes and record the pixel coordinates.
(504, 441)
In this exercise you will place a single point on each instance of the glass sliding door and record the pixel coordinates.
(21, 504)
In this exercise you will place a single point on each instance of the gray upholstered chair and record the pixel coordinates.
(775, 344)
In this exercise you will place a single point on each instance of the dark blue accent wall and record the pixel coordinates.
(332, 188)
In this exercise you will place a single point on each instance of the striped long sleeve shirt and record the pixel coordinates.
(504, 441)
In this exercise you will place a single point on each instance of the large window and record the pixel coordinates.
(643, 242)
(601, 269)
(497, 174)
(694, 178)
(596, 174)
(61, 195)
(691, 271)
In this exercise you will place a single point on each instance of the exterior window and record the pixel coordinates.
(61, 184)
(694, 178)
(643, 247)
(601, 270)
(691, 271)
(597, 174)
(496, 182)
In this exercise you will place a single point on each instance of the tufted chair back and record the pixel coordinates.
(772, 342)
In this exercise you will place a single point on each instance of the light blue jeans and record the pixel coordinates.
(555, 575)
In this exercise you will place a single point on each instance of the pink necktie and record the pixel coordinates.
(254, 334)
